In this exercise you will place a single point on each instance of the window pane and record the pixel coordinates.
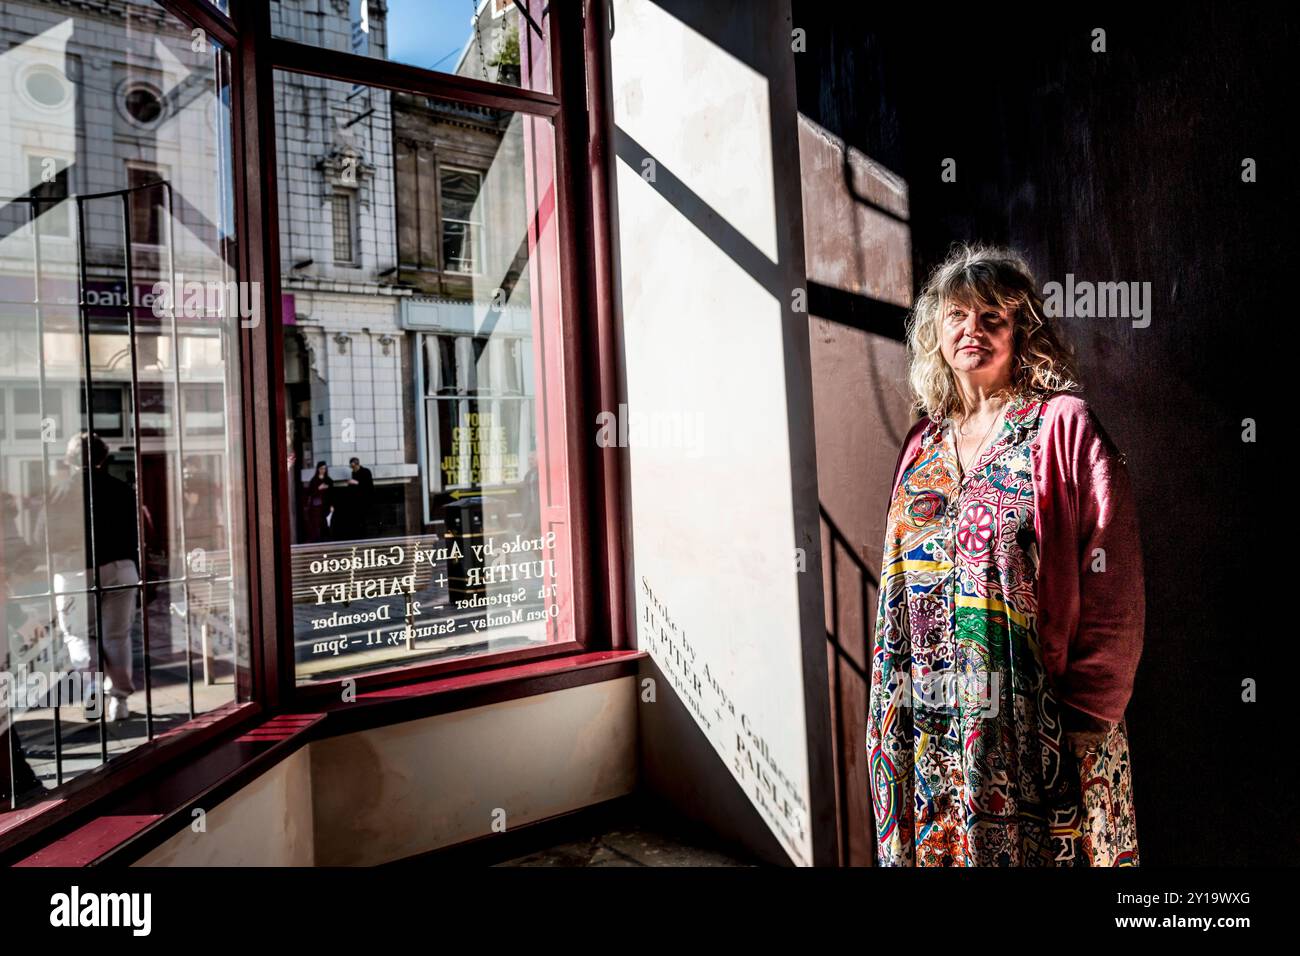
(341, 212)
(48, 174)
(460, 189)
(108, 421)
(448, 535)
(122, 563)
(458, 247)
(146, 205)
(500, 41)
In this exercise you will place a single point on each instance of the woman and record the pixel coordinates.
(1011, 596)
(319, 504)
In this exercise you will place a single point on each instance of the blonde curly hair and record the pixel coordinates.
(982, 277)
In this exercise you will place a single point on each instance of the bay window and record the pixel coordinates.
(360, 462)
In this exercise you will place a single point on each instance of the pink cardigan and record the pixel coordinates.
(1090, 623)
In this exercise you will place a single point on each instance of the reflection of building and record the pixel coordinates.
(117, 98)
(408, 327)
(492, 50)
(411, 337)
(115, 184)
(461, 242)
(348, 364)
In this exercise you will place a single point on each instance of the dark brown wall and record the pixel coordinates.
(1116, 166)
(859, 262)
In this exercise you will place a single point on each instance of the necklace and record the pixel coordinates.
(956, 444)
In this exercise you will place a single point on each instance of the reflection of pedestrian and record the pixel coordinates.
(532, 501)
(361, 500)
(26, 783)
(319, 504)
(69, 520)
(13, 762)
(16, 560)
(202, 504)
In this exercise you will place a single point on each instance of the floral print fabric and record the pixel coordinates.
(969, 763)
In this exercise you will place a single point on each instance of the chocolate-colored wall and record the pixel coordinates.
(1116, 166)
(859, 265)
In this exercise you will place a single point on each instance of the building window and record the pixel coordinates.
(31, 420)
(477, 382)
(47, 177)
(147, 202)
(343, 221)
(109, 420)
(459, 209)
(45, 86)
(141, 101)
(441, 226)
(204, 409)
(448, 164)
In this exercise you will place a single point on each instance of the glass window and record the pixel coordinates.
(459, 209)
(424, 362)
(122, 565)
(344, 250)
(108, 421)
(146, 204)
(205, 404)
(500, 41)
(430, 495)
(143, 102)
(48, 177)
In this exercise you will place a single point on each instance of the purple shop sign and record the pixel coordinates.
(108, 297)
(102, 296)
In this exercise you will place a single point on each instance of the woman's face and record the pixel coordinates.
(320, 471)
(978, 342)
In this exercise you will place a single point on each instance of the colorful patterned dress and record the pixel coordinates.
(969, 763)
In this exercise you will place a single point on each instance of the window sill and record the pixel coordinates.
(428, 696)
(29, 826)
(126, 825)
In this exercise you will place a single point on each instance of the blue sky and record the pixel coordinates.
(424, 32)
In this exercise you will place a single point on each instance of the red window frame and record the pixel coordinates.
(561, 356)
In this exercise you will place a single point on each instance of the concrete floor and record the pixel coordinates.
(630, 845)
(636, 830)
